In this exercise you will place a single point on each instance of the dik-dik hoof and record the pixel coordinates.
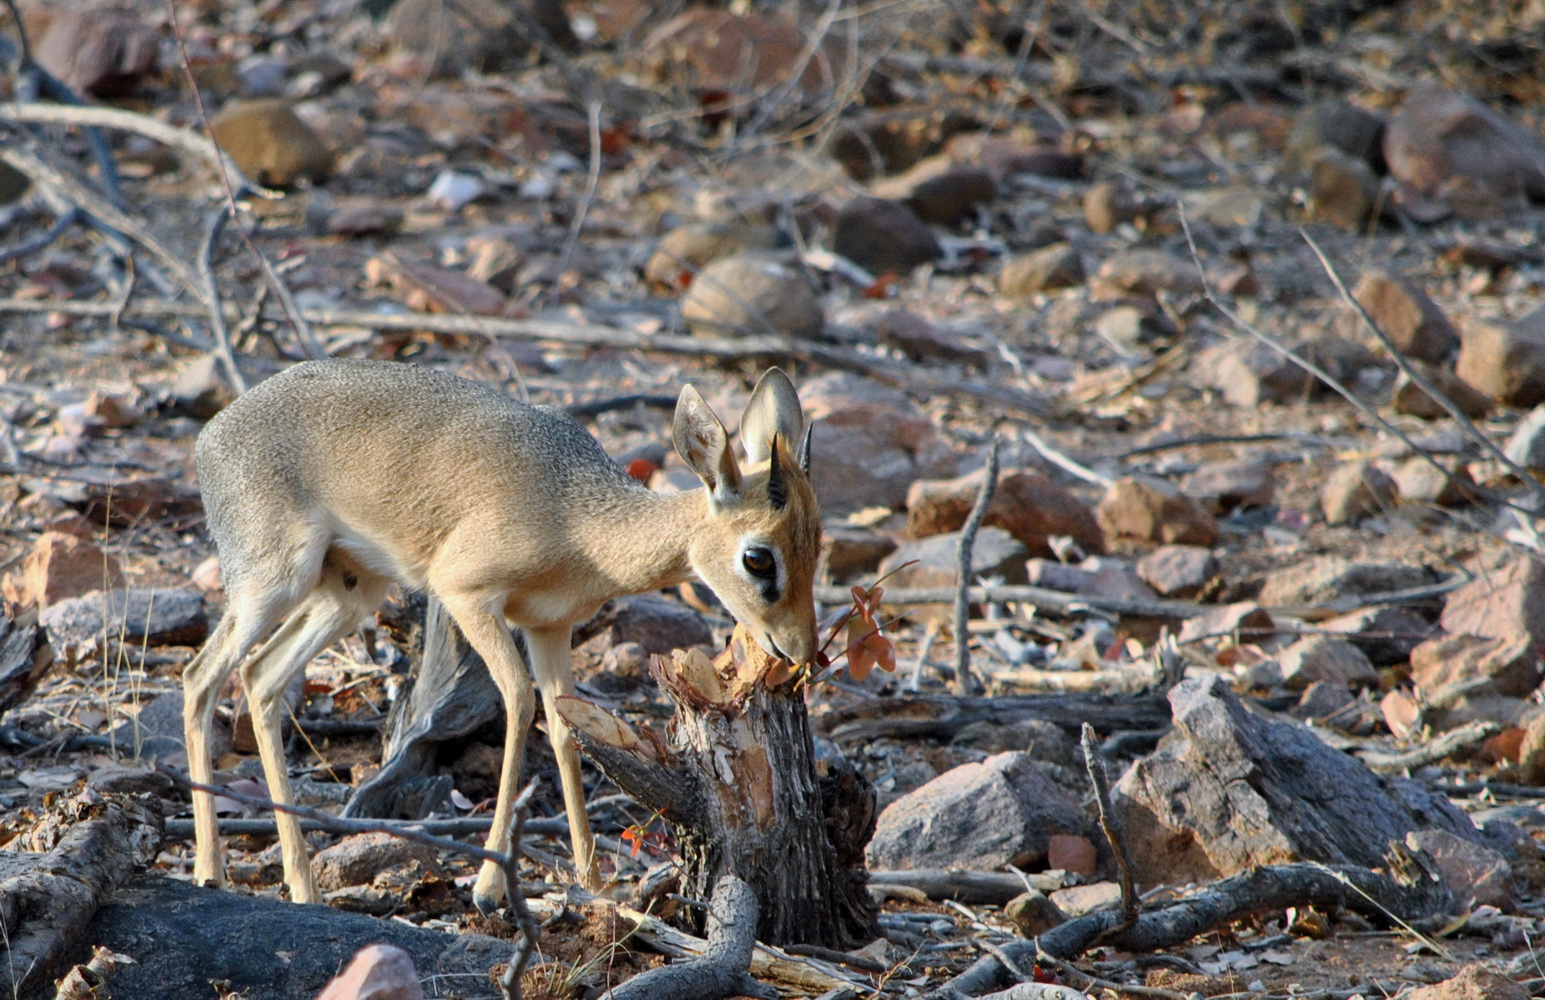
(486, 905)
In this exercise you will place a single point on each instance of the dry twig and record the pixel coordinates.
(963, 567)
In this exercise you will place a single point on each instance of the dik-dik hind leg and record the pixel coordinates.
(549, 650)
(488, 634)
(329, 613)
(240, 627)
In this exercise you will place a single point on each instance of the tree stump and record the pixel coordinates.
(737, 778)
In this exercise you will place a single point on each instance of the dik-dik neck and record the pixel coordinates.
(640, 539)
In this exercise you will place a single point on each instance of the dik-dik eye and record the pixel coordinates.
(759, 562)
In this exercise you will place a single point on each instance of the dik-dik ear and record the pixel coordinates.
(703, 444)
(773, 410)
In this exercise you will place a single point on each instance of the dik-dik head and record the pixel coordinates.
(759, 545)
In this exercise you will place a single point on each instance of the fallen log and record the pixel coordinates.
(721, 971)
(48, 897)
(942, 716)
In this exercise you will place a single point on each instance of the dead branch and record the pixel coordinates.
(206, 273)
(966, 886)
(722, 971)
(45, 907)
(1413, 892)
(182, 829)
(963, 568)
(1434, 750)
(1056, 601)
(1095, 765)
(942, 716)
(25, 657)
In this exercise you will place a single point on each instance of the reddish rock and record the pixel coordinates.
(1002, 811)
(852, 551)
(1153, 510)
(868, 454)
(1508, 602)
(1410, 398)
(1474, 982)
(686, 250)
(1178, 571)
(1411, 320)
(1506, 361)
(377, 972)
(1451, 153)
(270, 143)
(752, 294)
(883, 236)
(1355, 490)
(1476, 874)
(1026, 504)
(1343, 191)
(1446, 666)
(96, 50)
(61, 566)
(1048, 269)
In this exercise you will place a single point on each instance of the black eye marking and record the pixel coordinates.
(759, 562)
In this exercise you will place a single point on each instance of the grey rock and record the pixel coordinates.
(152, 616)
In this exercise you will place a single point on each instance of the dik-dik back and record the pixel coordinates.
(333, 479)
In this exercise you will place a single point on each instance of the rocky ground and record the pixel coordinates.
(1114, 237)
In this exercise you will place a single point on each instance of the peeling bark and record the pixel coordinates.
(737, 778)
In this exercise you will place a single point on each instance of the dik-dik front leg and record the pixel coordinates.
(488, 634)
(549, 649)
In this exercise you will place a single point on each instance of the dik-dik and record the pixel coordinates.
(326, 483)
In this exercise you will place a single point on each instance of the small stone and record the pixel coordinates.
(1115, 579)
(141, 616)
(923, 341)
(686, 250)
(1080, 900)
(1002, 811)
(883, 236)
(1134, 326)
(95, 50)
(377, 972)
(1322, 698)
(1233, 485)
(1026, 504)
(1385, 634)
(1250, 374)
(1411, 320)
(1244, 621)
(934, 560)
(1324, 658)
(941, 191)
(1477, 875)
(1356, 490)
(1048, 269)
(1401, 713)
(658, 625)
(1334, 124)
(483, 35)
(1451, 153)
(1419, 481)
(201, 390)
(1154, 510)
(356, 860)
(1106, 207)
(1178, 571)
(1505, 361)
(1004, 157)
(1033, 914)
(1236, 206)
(1474, 982)
(752, 294)
(1526, 446)
(1410, 398)
(1145, 273)
(1343, 191)
(270, 143)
